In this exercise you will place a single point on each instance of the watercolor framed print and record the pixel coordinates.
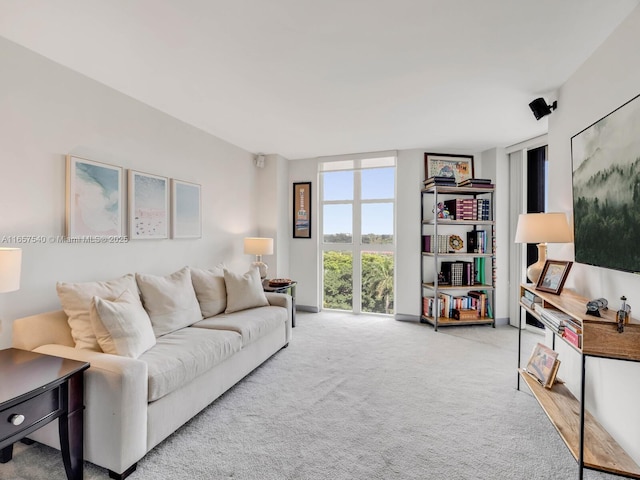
(445, 165)
(94, 198)
(186, 216)
(302, 210)
(148, 206)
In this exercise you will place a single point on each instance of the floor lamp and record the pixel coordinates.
(10, 262)
(542, 228)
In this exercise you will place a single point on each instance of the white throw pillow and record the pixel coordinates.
(76, 303)
(210, 290)
(244, 291)
(170, 301)
(122, 326)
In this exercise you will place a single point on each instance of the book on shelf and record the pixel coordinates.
(543, 365)
(477, 183)
(440, 180)
(572, 337)
(465, 314)
(477, 241)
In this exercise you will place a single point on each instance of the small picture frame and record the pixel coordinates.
(543, 365)
(302, 210)
(553, 276)
(446, 165)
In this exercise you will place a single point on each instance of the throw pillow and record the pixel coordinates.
(122, 326)
(170, 301)
(244, 291)
(210, 290)
(76, 303)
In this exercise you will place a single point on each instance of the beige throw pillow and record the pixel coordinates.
(122, 326)
(170, 301)
(210, 290)
(244, 291)
(76, 302)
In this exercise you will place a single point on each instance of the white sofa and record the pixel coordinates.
(132, 404)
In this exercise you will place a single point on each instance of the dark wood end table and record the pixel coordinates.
(289, 289)
(35, 390)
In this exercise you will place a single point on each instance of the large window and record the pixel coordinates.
(358, 234)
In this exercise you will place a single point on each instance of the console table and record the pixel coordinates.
(35, 390)
(589, 443)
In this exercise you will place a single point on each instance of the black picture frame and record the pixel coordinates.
(302, 210)
(553, 276)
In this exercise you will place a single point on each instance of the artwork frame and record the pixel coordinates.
(543, 365)
(148, 206)
(302, 210)
(605, 159)
(553, 276)
(186, 209)
(448, 165)
(95, 199)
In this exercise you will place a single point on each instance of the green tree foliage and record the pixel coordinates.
(338, 285)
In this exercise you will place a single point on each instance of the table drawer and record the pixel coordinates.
(33, 410)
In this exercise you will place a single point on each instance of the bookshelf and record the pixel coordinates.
(588, 441)
(467, 283)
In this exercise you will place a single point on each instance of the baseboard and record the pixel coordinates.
(307, 308)
(407, 318)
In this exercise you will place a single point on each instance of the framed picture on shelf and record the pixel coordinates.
(459, 167)
(148, 206)
(553, 276)
(543, 365)
(302, 210)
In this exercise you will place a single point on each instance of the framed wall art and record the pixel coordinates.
(94, 198)
(553, 276)
(148, 206)
(186, 217)
(459, 167)
(302, 210)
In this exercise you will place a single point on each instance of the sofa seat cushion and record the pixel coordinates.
(252, 324)
(180, 356)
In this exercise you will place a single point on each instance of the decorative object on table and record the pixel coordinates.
(623, 315)
(542, 228)
(594, 306)
(459, 167)
(605, 172)
(302, 210)
(553, 276)
(455, 243)
(94, 198)
(259, 246)
(441, 210)
(148, 206)
(280, 282)
(543, 365)
(186, 216)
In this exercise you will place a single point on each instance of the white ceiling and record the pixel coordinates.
(307, 78)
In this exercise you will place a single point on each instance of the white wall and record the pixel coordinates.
(48, 111)
(609, 78)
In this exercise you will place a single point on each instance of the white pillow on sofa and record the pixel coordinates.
(210, 290)
(75, 299)
(170, 301)
(244, 291)
(122, 326)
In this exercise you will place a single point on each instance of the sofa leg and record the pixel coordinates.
(123, 475)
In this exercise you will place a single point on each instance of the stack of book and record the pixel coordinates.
(458, 273)
(477, 241)
(531, 300)
(442, 244)
(439, 180)
(469, 208)
(572, 332)
(564, 325)
(463, 307)
(477, 183)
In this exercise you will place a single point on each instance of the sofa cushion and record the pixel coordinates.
(244, 291)
(251, 324)
(180, 356)
(170, 301)
(210, 290)
(122, 326)
(75, 299)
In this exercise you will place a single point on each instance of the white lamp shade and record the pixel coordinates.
(258, 246)
(543, 228)
(10, 262)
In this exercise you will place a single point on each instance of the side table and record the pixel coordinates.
(35, 390)
(289, 289)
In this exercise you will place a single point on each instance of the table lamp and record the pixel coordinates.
(542, 228)
(10, 261)
(259, 246)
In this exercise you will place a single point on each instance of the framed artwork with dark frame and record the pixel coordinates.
(302, 210)
(553, 276)
(446, 165)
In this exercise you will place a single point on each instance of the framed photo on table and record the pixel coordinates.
(302, 210)
(553, 276)
(459, 167)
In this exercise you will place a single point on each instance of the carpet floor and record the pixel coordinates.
(360, 398)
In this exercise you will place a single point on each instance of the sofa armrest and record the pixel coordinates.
(42, 329)
(115, 397)
(282, 300)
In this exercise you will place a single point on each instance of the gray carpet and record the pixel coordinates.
(360, 397)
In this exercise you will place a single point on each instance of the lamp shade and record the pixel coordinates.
(543, 228)
(10, 262)
(258, 246)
